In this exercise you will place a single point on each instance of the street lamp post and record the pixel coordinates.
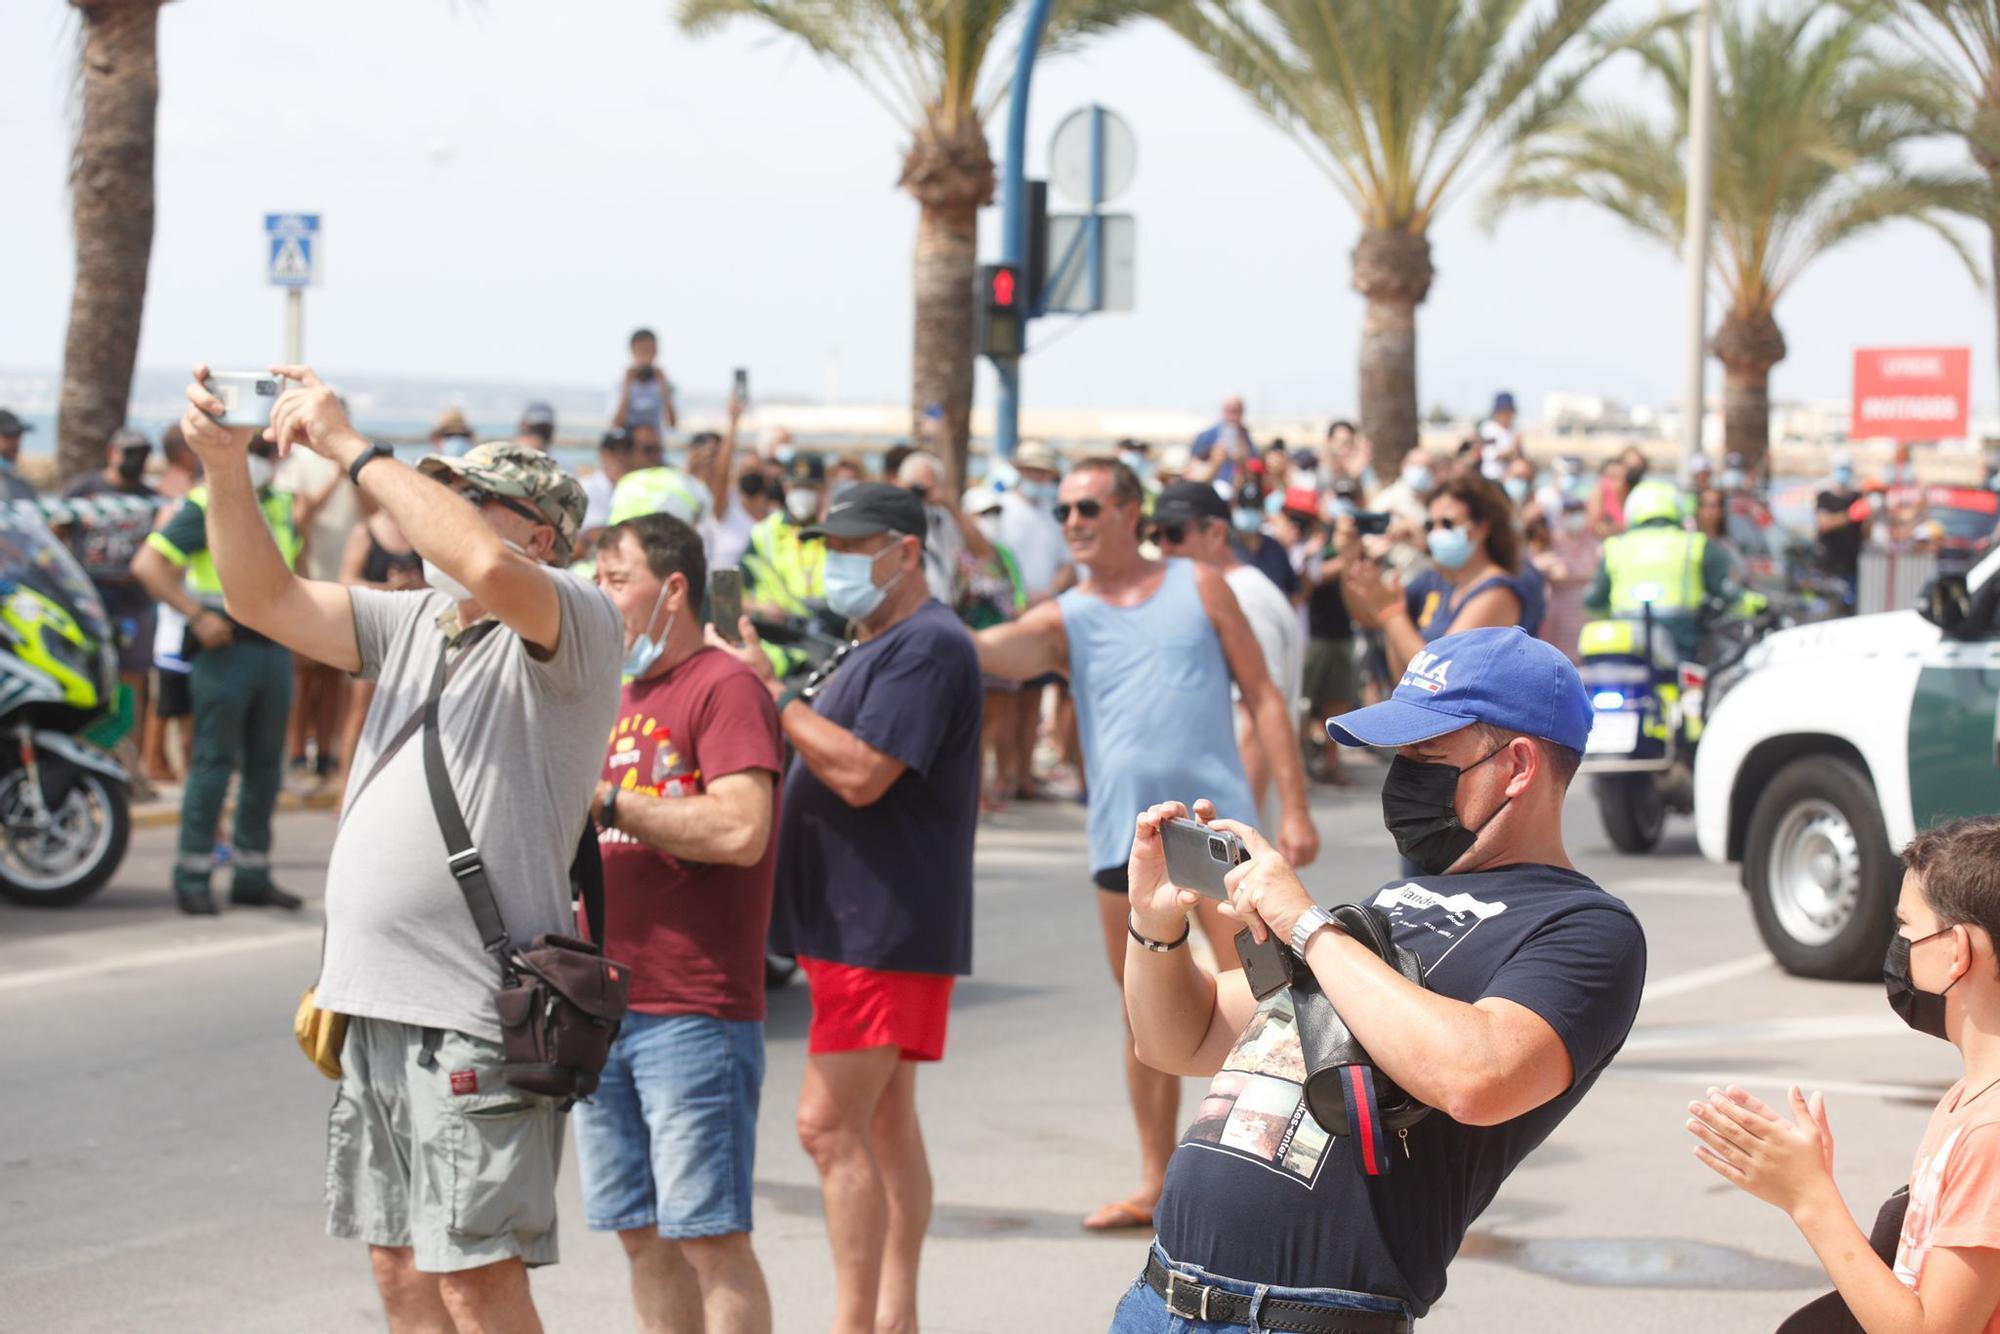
(1014, 219)
(1701, 134)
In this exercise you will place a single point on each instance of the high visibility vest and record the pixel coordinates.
(657, 491)
(203, 581)
(783, 569)
(1659, 565)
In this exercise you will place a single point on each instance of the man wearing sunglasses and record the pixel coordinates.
(446, 1171)
(1151, 649)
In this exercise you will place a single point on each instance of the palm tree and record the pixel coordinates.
(931, 65)
(111, 212)
(1961, 40)
(1813, 119)
(1398, 102)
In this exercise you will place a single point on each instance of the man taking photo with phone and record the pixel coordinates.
(1531, 978)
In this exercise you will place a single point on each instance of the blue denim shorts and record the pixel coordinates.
(669, 1140)
(1144, 1311)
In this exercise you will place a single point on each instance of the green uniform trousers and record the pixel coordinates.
(242, 699)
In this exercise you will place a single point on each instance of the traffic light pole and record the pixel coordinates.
(1014, 220)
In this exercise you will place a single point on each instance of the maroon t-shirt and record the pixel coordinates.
(692, 935)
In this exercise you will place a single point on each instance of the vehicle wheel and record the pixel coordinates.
(66, 856)
(1821, 875)
(1633, 811)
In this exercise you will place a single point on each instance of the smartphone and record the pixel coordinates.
(742, 385)
(1267, 968)
(1198, 857)
(1371, 523)
(725, 602)
(247, 396)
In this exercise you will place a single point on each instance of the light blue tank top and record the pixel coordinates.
(1153, 708)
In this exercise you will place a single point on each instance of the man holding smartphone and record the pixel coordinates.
(1531, 980)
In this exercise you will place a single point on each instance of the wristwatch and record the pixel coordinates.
(1309, 924)
(366, 457)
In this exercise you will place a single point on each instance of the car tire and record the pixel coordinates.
(1821, 875)
(1633, 810)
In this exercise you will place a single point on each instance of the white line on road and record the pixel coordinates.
(1697, 1080)
(1696, 979)
(1679, 889)
(118, 963)
(1805, 1028)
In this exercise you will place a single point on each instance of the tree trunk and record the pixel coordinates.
(1392, 269)
(950, 172)
(1748, 346)
(111, 202)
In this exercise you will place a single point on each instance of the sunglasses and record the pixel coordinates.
(1432, 525)
(479, 495)
(1088, 509)
(1172, 534)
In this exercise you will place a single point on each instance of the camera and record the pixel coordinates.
(646, 373)
(1220, 850)
(247, 396)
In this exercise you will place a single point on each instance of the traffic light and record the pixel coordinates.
(1001, 302)
(1035, 273)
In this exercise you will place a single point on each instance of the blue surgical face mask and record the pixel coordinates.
(1274, 505)
(642, 653)
(1517, 489)
(1247, 521)
(1843, 477)
(1733, 481)
(1450, 547)
(1042, 493)
(850, 583)
(1138, 463)
(1417, 479)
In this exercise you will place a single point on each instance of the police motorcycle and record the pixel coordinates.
(65, 806)
(1649, 705)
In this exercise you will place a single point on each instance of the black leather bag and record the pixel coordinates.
(1345, 1093)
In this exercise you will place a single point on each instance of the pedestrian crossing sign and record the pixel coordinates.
(291, 248)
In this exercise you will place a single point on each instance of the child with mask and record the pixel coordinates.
(1942, 980)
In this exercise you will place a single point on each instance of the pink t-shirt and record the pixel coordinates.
(1954, 1187)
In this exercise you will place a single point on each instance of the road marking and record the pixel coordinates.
(119, 963)
(1679, 889)
(1697, 979)
(1697, 1080)
(1806, 1028)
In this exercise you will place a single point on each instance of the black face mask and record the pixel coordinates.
(1418, 808)
(751, 484)
(1920, 1009)
(132, 464)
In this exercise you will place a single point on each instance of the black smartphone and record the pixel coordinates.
(1199, 857)
(742, 385)
(725, 602)
(646, 373)
(1371, 523)
(1266, 967)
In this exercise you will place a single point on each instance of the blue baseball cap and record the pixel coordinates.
(1501, 676)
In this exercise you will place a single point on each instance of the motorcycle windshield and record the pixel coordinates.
(30, 556)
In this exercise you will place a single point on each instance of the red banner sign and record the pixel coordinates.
(1911, 393)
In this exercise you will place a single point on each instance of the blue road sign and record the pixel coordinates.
(291, 247)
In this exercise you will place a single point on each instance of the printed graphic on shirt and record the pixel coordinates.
(1920, 1220)
(644, 758)
(1256, 1108)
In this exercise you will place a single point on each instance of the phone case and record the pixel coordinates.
(1191, 862)
(1266, 967)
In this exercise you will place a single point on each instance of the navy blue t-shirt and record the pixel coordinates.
(889, 886)
(1258, 1191)
(1434, 603)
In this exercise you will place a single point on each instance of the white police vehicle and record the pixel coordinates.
(1832, 746)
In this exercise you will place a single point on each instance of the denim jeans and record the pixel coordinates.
(1144, 1311)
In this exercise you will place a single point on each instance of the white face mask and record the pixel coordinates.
(261, 471)
(802, 505)
(437, 577)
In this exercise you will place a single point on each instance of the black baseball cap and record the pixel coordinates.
(10, 425)
(1184, 502)
(868, 508)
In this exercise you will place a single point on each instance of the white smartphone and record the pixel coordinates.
(247, 396)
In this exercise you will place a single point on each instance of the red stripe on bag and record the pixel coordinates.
(1365, 1132)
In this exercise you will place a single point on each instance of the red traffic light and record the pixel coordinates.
(1003, 287)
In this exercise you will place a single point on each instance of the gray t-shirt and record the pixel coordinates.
(523, 741)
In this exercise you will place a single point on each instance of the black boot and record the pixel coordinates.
(196, 902)
(264, 896)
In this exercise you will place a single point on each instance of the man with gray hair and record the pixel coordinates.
(949, 536)
(447, 1172)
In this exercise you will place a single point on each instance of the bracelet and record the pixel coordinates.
(785, 700)
(1158, 947)
(366, 457)
(607, 814)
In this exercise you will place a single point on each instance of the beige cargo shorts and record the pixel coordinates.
(427, 1147)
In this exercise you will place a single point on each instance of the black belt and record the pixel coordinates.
(1190, 1300)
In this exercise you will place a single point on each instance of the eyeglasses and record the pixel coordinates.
(1432, 525)
(479, 495)
(1170, 534)
(1088, 509)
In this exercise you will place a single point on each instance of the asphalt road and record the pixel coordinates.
(162, 1160)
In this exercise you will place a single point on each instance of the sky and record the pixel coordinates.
(509, 187)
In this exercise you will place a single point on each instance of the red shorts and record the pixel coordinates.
(855, 1009)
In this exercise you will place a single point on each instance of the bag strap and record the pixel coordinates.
(407, 730)
(586, 877)
(461, 855)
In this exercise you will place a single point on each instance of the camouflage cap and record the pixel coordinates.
(509, 469)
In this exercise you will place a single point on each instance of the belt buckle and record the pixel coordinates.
(1200, 1312)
